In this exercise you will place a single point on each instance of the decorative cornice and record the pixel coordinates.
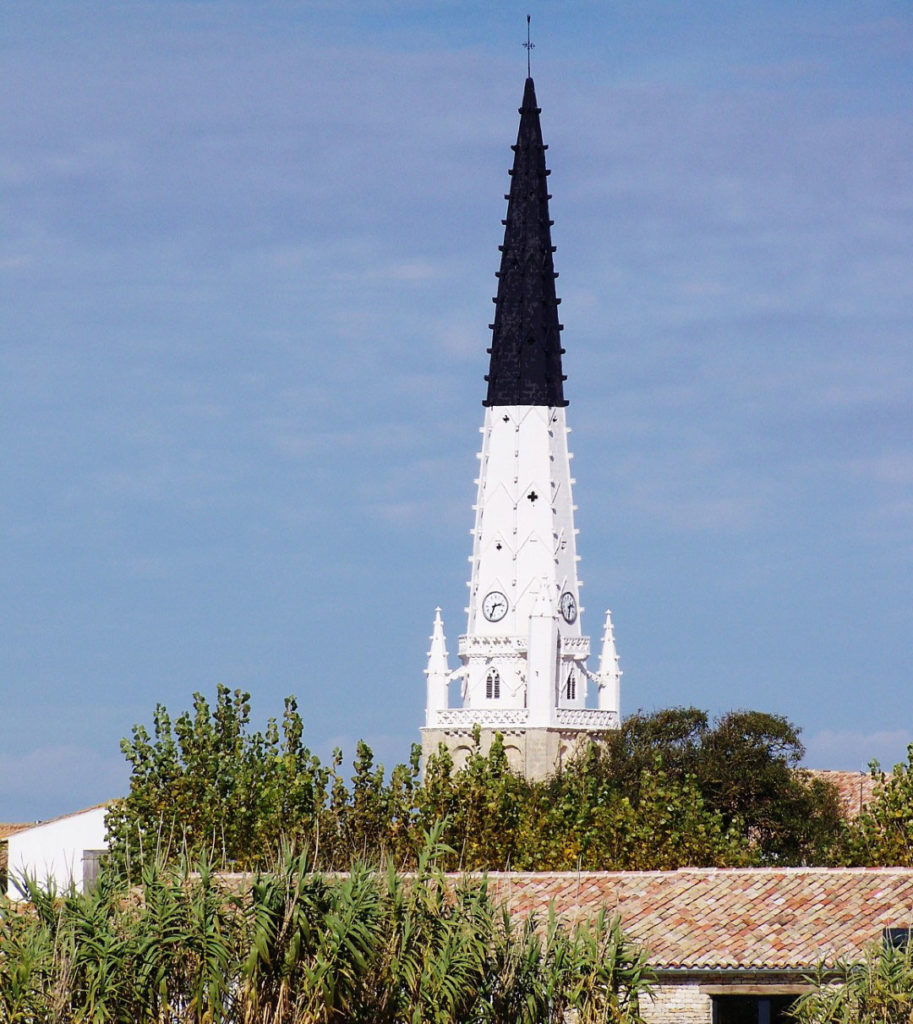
(588, 719)
(491, 646)
(486, 718)
(584, 719)
(498, 646)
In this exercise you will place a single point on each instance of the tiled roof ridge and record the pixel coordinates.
(728, 872)
(61, 817)
(772, 919)
(8, 828)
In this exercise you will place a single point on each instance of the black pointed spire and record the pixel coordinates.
(526, 347)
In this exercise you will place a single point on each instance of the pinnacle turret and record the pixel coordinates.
(609, 675)
(438, 670)
(526, 348)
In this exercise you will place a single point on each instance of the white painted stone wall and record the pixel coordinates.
(52, 851)
(523, 659)
(524, 548)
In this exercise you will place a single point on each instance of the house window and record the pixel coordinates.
(752, 1009)
(571, 687)
(493, 685)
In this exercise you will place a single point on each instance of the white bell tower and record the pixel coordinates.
(523, 660)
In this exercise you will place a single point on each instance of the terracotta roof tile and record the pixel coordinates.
(8, 828)
(789, 918)
(854, 789)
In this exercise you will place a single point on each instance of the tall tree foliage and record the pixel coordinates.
(666, 790)
(206, 784)
(882, 835)
(745, 765)
(587, 818)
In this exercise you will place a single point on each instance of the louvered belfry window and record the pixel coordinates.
(493, 685)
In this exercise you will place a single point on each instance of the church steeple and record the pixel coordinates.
(526, 348)
(523, 658)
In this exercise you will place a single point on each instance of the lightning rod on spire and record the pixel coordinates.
(529, 46)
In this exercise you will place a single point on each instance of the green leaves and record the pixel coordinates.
(163, 952)
(207, 785)
(878, 990)
(26, 964)
(882, 835)
(744, 767)
(667, 790)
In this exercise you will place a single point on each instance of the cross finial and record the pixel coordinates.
(529, 47)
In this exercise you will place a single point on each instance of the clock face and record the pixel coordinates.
(494, 607)
(568, 607)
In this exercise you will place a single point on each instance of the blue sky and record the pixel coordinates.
(248, 254)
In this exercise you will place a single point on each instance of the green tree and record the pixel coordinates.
(585, 817)
(482, 807)
(746, 767)
(674, 735)
(206, 784)
(882, 835)
(667, 790)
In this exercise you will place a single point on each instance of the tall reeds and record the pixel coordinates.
(289, 946)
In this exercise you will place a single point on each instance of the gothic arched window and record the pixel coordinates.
(493, 685)
(571, 687)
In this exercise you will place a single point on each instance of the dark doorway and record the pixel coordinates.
(751, 1009)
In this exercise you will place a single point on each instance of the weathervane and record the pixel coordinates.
(528, 46)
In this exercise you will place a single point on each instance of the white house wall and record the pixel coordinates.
(52, 851)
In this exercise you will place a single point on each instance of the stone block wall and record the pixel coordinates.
(681, 999)
(680, 1003)
(535, 753)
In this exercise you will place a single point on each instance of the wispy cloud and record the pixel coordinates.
(249, 260)
(850, 750)
(46, 781)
